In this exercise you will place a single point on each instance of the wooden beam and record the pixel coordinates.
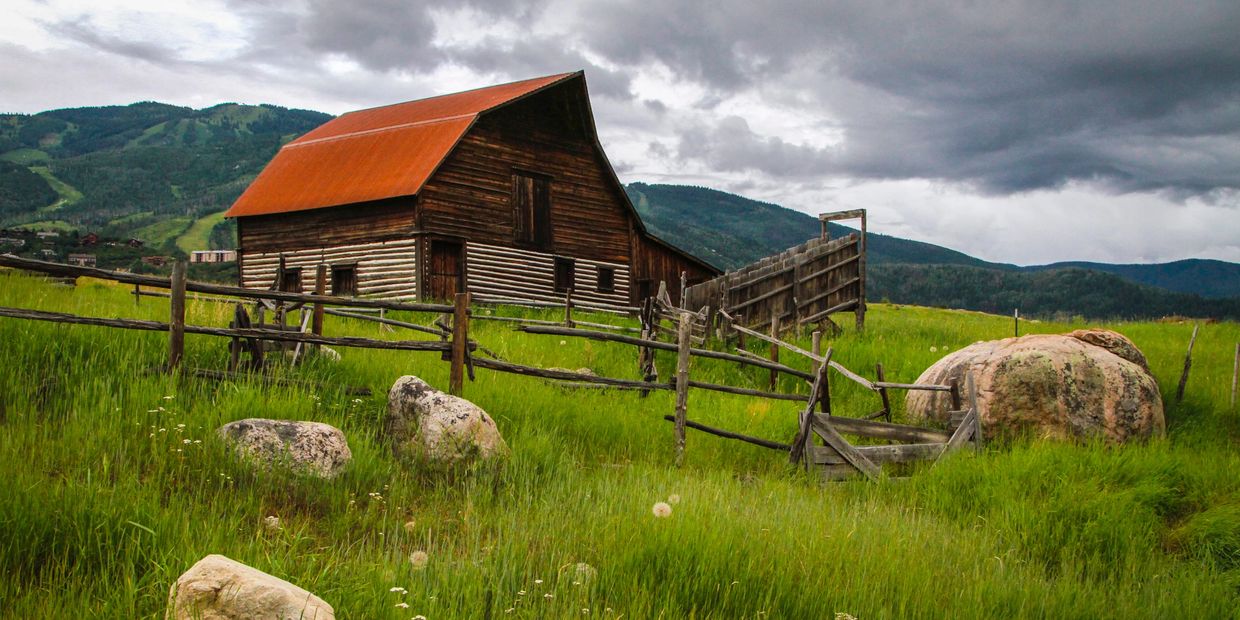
(841, 215)
(887, 430)
(901, 453)
(822, 426)
(765, 443)
(1188, 364)
(460, 338)
(176, 329)
(682, 385)
(802, 441)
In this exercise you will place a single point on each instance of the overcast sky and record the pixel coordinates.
(1025, 132)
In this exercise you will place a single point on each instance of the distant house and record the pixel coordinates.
(502, 191)
(89, 239)
(47, 234)
(47, 253)
(213, 256)
(12, 241)
(82, 260)
(155, 261)
(134, 243)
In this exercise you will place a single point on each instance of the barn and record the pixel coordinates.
(502, 191)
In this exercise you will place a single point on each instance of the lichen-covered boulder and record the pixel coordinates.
(1090, 384)
(423, 422)
(218, 588)
(310, 448)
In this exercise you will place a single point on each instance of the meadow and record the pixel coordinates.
(112, 484)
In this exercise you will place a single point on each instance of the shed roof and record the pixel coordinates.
(374, 154)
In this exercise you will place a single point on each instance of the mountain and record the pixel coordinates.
(146, 170)
(164, 174)
(731, 231)
(1208, 278)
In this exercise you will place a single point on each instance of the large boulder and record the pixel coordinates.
(424, 422)
(1090, 384)
(310, 448)
(218, 588)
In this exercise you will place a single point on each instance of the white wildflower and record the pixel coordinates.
(398, 589)
(537, 581)
(271, 522)
(419, 559)
(169, 397)
(548, 596)
(662, 510)
(402, 605)
(673, 499)
(934, 349)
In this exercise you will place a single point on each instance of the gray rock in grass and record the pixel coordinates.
(310, 448)
(425, 422)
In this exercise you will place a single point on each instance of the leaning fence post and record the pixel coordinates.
(460, 341)
(682, 384)
(568, 308)
(1188, 364)
(137, 294)
(1235, 372)
(882, 391)
(176, 322)
(815, 347)
(320, 288)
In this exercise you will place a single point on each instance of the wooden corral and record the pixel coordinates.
(501, 192)
(801, 285)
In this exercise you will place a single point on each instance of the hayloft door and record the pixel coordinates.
(445, 273)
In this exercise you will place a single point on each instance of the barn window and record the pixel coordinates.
(290, 282)
(565, 271)
(531, 209)
(606, 280)
(344, 280)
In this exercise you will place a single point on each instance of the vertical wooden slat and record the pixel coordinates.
(176, 321)
(801, 442)
(320, 288)
(568, 307)
(882, 391)
(774, 348)
(1188, 364)
(137, 295)
(682, 384)
(861, 276)
(460, 340)
(1235, 372)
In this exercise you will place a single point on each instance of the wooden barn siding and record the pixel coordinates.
(655, 262)
(470, 195)
(496, 271)
(385, 269)
(329, 227)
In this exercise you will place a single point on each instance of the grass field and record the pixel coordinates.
(112, 484)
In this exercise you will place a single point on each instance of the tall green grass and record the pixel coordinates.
(112, 484)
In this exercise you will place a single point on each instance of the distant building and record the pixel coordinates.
(134, 243)
(82, 260)
(213, 256)
(155, 261)
(12, 241)
(89, 239)
(47, 253)
(47, 234)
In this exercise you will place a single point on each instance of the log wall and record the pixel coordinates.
(385, 269)
(496, 271)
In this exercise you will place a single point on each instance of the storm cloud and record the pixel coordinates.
(794, 101)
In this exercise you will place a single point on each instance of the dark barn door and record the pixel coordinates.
(445, 273)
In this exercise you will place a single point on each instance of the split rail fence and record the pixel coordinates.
(835, 457)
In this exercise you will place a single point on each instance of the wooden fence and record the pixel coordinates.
(801, 285)
(836, 457)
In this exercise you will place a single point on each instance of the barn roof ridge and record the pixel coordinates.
(363, 132)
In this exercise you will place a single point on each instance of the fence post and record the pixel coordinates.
(320, 288)
(568, 308)
(954, 390)
(815, 347)
(684, 284)
(682, 383)
(860, 312)
(176, 322)
(460, 342)
(137, 295)
(774, 348)
(882, 391)
(1235, 372)
(1188, 364)
(1016, 322)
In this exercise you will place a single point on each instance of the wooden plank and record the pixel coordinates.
(977, 421)
(764, 296)
(261, 334)
(822, 427)
(320, 289)
(460, 337)
(963, 432)
(765, 443)
(840, 215)
(835, 267)
(1188, 364)
(1235, 373)
(887, 430)
(901, 453)
(386, 321)
(882, 390)
(827, 293)
(682, 385)
(795, 349)
(176, 329)
(848, 305)
(774, 382)
(801, 442)
(929, 387)
(9, 260)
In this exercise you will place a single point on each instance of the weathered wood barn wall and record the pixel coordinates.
(503, 191)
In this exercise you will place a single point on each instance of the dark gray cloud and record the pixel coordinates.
(1006, 97)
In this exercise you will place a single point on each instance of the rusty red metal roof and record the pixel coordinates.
(374, 154)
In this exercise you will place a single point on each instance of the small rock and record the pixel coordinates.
(218, 588)
(424, 421)
(310, 448)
